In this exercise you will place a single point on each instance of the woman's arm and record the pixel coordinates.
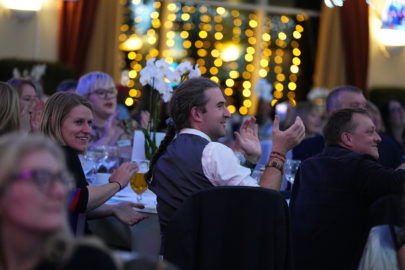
(119, 179)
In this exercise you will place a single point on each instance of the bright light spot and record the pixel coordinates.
(284, 19)
(228, 91)
(214, 70)
(129, 101)
(279, 87)
(280, 77)
(187, 44)
(296, 61)
(203, 34)
(253, 23)
(184, 34)
(243, 110)
(249, 57)
(231, 109)
(246, 93)
(296, 35)
(250, 50)
(215, 79)
(132, 92)
(170, 43)
(230, 52)
(292, 86)
(294, 69)
(218, 36)
(133, 43)
(264, 63)
(172, 7)
(185, 16)
(131, 55)
(299, 28)
(296, 52)
(392, 37)
(247, 84)
(230, 82)
(221, 10)
(262, 73)
(202, 53)
(233, 74)
(132, 74)
(266, 37)
(247, 103)
(218, 62)
(282, 36)
(31, 5)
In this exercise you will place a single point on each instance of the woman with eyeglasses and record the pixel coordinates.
(34, 232)
(30, 103)
(67, 119)
(100, 90)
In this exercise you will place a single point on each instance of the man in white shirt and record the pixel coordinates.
(193, 160)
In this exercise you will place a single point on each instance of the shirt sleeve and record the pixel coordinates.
(222, 168)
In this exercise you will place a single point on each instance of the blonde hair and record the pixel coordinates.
(9, 109)
(14, 147)
(57, 107)
(59, 245)
(92, 81)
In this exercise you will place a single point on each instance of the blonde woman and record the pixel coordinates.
(33, 226)
(67, 119)
(9, 109)
(30, 102)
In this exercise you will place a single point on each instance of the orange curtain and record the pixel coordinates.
(75, 31)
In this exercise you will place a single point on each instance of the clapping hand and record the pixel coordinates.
(247, 140)
(283, 141)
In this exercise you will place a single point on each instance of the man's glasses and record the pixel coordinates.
(43, 178)
(104, 93)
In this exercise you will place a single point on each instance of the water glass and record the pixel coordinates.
(290, 169)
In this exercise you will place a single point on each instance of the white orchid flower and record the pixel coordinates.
(184, 67)
(194, 73)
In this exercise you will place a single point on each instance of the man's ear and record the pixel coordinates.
(346, 139)
(195, 114)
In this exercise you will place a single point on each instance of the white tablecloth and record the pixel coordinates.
(142, 238)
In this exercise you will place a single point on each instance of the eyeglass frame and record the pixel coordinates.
(104, 93)
(44, 184)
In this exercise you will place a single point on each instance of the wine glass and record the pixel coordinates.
(138, 182)
(290, 169)
(96, 157)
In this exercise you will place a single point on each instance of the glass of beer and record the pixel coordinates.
(138, 182)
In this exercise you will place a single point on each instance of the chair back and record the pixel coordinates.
(230, 228)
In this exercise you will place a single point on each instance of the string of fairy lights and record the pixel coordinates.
(232, 47)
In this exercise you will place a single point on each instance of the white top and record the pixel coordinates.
(220, 165)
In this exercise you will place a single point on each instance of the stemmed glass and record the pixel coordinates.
(290, 169)
(96, 156)
(138, 182)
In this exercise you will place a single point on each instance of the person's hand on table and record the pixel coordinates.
(123, 173)
(125, 213)
(247, 140)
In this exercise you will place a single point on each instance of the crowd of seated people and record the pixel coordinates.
(331, 197)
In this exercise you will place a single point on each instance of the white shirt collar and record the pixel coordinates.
(195, 132)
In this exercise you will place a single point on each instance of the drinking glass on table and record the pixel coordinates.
(138, 182)
(290, 169)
